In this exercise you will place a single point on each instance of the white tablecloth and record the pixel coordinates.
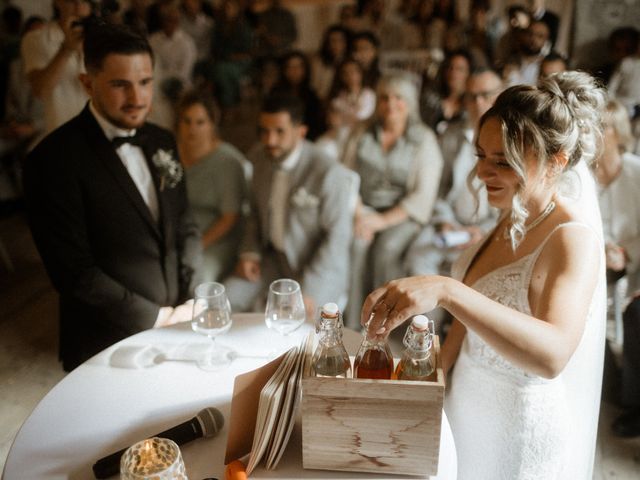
(100, 408)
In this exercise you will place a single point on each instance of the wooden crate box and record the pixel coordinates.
(381, 426)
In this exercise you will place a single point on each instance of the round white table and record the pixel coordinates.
(113, 400)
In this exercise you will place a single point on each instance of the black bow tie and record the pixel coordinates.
(136, 139)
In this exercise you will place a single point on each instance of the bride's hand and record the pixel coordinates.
(392, 304)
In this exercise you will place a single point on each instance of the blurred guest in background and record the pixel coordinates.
(622, 43)
(52, 59)
(174, 51)
(333, 50)
(511, 42)
(618, 174)
(295, 79)
(136, 15)
(300, 223)
(539, 12)
(365, 51)
(216, 183)
(430, 28)
(349, 97)
(231, 49)
(552, 63)
(399, 163)
(624, 84)
(441, 104)
(526, 63)
(197, 24)
(274, 27)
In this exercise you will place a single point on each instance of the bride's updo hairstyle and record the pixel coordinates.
(563, 115)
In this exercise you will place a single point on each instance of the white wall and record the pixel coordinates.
(595, 20)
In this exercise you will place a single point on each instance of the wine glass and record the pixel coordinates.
(212, 317)
(285, 310)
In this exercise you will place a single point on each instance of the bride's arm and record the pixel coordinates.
(541, 344)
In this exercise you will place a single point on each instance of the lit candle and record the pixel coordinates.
(154, 457)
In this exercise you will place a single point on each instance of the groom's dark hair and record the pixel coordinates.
(102, 39)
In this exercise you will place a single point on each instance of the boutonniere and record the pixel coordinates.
(301, 198)
(169, 168)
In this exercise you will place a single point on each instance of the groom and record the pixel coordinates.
(107, 205)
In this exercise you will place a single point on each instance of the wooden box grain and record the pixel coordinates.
(381, 426)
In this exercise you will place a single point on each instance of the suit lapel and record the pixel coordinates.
(107, 155)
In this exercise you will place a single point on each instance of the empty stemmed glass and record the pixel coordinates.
(212, 317)
(285, 310)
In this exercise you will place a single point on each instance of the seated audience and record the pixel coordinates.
(52, 59)
(441, 104)
(299, 226)
(333, 50)
(295, 79)
(216, 183)
(399, 163)
(462, 214)
(618, 174)
(349, 97)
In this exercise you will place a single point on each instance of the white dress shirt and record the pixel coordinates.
(134, 161)
(279, 195)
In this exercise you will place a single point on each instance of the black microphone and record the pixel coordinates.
(206, 423)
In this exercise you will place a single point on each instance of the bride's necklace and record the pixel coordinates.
(537, 221)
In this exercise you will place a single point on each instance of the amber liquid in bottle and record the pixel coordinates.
(413, 372)
(374, 364)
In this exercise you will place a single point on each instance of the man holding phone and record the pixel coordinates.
(52, 58)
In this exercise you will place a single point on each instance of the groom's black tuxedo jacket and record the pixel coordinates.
(113, 265)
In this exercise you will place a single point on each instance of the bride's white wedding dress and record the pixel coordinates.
(512, 425)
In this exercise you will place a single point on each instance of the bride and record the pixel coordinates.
(524, 354)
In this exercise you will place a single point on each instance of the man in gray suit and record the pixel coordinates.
(301, 218)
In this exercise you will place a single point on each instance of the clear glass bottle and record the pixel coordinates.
(330, 358)
(373, 360)
(417, 362)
